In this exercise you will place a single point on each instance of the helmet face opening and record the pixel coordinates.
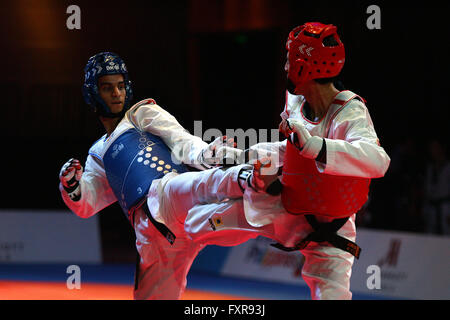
(315, 52)
(101, 64)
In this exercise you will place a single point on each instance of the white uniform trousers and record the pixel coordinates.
(206, 207)
(163, 267)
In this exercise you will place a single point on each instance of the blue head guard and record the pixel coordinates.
(104, 63)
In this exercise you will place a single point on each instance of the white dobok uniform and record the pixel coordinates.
(143, 137)
(207, 207)
(352, 149)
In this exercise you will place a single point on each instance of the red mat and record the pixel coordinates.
(30, 290)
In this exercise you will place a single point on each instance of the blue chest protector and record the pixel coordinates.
(132, 162)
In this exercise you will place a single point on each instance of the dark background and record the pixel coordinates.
(221, 62)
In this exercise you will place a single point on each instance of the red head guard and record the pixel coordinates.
(315, 51)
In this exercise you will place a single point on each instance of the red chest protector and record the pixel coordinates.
(308, 191)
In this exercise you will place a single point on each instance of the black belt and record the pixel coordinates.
(162, 228)
(325, 232)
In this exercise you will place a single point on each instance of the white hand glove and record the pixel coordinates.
(213, 154)
(70, 176)
(230, 155)
(308, 145)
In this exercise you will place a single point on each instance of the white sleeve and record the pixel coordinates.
(186, 147)
(96, 193)
(274, 150)
(353, 147)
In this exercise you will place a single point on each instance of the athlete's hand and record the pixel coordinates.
(230, 156)
(70, 176)
(284, 128)
(261, 177)
(217, 150)
(263, 174)
(296, 132)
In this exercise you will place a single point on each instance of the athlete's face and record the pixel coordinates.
(286, 66)
(291, 87)
(112, 90)
(294, 88)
